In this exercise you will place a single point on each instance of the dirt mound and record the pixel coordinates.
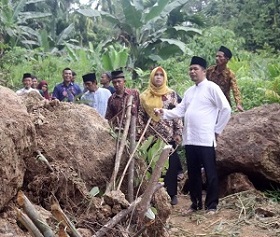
(77, 143)
(17, 135)
(250, 145)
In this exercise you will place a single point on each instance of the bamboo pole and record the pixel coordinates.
(116, 219)
(32, 213)
(132, 154)
(61, 217)
(28, 224)
(112, 182)
(152, 185)
(132, 138)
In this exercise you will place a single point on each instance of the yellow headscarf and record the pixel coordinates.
(151, 97)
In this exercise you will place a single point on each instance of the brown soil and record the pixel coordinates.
(247, 214)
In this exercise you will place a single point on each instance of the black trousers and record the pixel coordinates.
(198, 156)
(175, 167)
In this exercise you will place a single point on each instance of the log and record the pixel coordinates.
(28, 224)
(63, 219)
(32, 213)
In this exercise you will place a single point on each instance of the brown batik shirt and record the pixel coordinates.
(226, 80)
(117, 104)
(167, 129)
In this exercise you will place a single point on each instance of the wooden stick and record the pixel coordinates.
(132, 154)
(32, 213)
(29, 225)
(61, 217)
(132, 138)
(122, 145)
(147, 195)
(42, 158)
(116, 219)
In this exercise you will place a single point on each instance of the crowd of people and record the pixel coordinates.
(195, 120)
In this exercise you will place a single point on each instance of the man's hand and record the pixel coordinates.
(158, 111)
(239, 108)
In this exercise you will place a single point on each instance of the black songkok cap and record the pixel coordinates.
(226, 51)
(117, 74)
(26, 75)
(198, 60)
(89, 77)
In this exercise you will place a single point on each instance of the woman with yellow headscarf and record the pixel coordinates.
(159, 95)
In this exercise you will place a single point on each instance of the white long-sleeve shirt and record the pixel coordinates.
(205, 110)
(97, 100)
(24, 91)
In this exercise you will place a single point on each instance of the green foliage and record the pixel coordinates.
(94, 191)
(45, 67)
(207, 44)
(273, 194)
(113, 59)
(150, 151)
(258, 22)
(145, 31)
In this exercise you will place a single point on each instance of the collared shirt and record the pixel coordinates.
(66, 93)
(24, 91)
(206, 111)
(167, 129)
(117, 103)
(97, 100)
(226, 80)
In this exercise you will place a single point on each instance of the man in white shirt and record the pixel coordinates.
(27, 82)
(95, 96)
(206, 112)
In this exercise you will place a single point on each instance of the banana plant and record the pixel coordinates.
(14, 28)
(145, 31)
(113, 59)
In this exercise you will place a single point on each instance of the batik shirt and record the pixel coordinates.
(226, 81)
(166, 129)
(117, 104)
(66, 93)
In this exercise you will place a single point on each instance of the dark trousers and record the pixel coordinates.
(198, 156)
(175, 167)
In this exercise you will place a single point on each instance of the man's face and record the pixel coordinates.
(67, 75)
(221, 59)
(34, 82)
(27, 82)
(197, 73)
(104, 79)
(158, 78)
(119, 84)
(90, 86)
(73, 78)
